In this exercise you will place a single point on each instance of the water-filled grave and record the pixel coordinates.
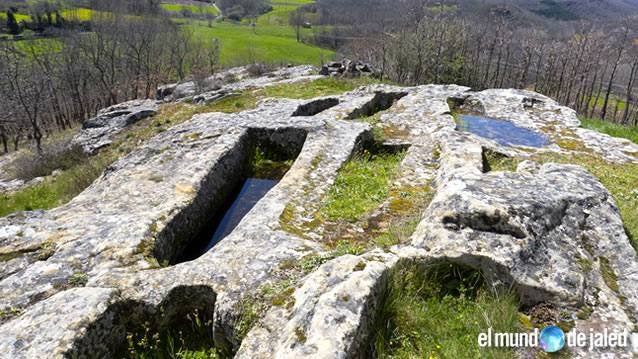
(233, 187)
(504, 132)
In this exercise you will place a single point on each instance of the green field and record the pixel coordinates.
(75, 14)
(195, 9)
(271, 40)
(280, 13)
(240, 44)
(19, 17)
(80, 14)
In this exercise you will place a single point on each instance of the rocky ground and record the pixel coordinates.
(75, 278)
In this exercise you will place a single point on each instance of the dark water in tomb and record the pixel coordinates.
(251, 192)
(504, 132)
(220, 226)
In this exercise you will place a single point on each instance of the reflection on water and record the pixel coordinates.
(504, 132)
(251, 192)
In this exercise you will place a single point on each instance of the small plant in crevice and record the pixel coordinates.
(265, 166)
(250, 311)
(313, 261)
(494, 161)
(438, 310)
(278, 293)
(192, 338)
(9, 312)
(78, 279)
(608, 274)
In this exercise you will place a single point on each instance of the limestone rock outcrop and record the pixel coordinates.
(97, 132)
(80, 270)
(347, 68)
(230, 82)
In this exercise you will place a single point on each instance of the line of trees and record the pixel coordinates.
(591, 67)
(50, 85)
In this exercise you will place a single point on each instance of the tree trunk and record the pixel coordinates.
(5, 144)
(600, 90)
(628, 97)
(621, 49)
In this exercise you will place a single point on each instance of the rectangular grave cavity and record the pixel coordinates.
(314, 107)
(380, 102)
(239, 179)
(503, 132)
(469, 114)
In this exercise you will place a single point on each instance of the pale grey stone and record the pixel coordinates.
(529, 229)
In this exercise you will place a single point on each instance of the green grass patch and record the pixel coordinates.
(191, 338)
(278, 16)
(58, 190)
(195, 9)
(403, 215)
(438, 310)
(611, 129)
(234, 103)
(81, 14)
(38, 46)
(321, 87)
(362, 184)
(397, 233)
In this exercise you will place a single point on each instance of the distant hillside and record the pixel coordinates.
(518, 12)
(566, 10)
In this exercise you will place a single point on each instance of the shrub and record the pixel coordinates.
(255, 70)
(59, 156)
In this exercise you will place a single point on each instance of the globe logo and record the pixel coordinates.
(552, 339)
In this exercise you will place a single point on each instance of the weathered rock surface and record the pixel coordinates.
(530, 229)
(231, 81)
(347, 68)
(97, 132)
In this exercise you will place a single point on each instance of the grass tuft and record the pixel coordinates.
(57, 190)
(191, 339)
(437, 311)
(321, 87)
(361, 186)
(496, 162)
(610, 128)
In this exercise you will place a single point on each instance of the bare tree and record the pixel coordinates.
(620, 50)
